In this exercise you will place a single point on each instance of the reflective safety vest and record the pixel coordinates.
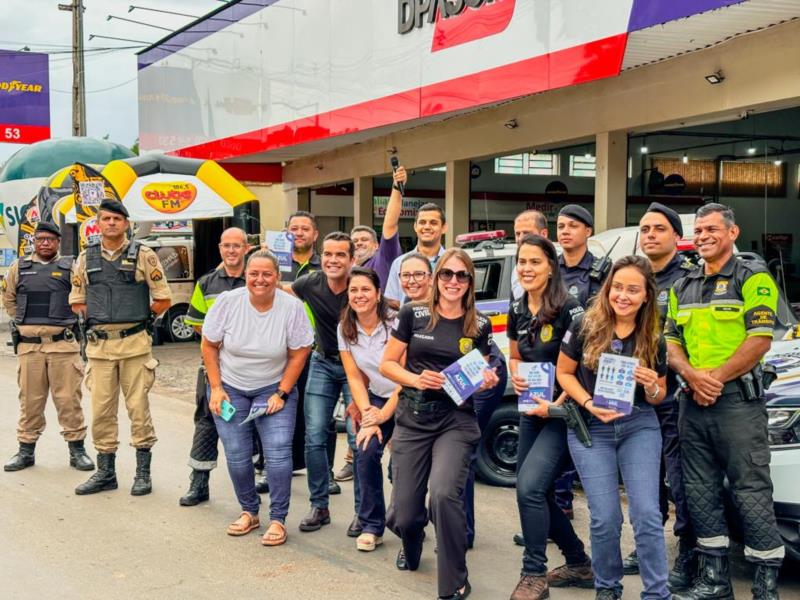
(43, 293)
(113, 294)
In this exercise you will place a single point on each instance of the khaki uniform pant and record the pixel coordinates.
(41, 374)
(135, 376)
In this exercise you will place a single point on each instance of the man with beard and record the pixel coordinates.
(380, 256)
(233, 247)
(303, 226)
(430, 225)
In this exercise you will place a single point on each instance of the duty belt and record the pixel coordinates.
(93, 335)
(416, 401)
(67, 334)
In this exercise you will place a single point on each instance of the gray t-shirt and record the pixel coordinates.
(367, 353)
(254, 344)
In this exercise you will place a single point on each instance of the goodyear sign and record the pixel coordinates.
(24, 97)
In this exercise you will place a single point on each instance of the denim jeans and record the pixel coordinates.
(275, 432)
(326, 380)
(542, 456)
(631, 446)
(367, 463)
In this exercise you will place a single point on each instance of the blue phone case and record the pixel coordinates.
(228, 410)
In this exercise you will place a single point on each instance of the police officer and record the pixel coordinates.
(583, 273)
(35, 294)
(719, 326)
(112, 283)
(660, 230)
(233, 247)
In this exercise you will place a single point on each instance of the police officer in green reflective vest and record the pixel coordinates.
(719, 325)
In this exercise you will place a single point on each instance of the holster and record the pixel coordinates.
(15, 336)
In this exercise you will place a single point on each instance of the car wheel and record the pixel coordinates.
(497, 452)
(177, 327)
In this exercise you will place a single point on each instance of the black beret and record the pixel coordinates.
(49, 227)
(577, 212)
(672, 216)
(114, 206)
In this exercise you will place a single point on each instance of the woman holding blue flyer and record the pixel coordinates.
(256, 340)
(446, 345)
(362, 334)
(613, 364)
(536, 324)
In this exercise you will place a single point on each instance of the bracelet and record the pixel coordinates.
(655, 393)
(395, 187)
(586, 403)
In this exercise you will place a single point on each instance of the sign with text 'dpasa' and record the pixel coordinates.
(24, 97)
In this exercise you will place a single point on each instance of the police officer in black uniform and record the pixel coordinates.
(720, 324)
(582, 272)
(660, 230)
(228, 276)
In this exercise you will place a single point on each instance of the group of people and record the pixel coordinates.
(377, 327)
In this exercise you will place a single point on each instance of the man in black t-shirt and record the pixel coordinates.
(325, 295)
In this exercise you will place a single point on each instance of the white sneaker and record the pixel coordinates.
(367, 542)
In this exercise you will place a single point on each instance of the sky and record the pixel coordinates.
(111, 88)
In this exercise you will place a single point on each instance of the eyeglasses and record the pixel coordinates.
(417, 276)
(41, 239)
(231, 246)
(448, 274)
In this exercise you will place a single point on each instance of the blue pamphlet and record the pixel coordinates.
(615, 386)
(541, 378)
(280, 243)
(464, 376)
(258, 409)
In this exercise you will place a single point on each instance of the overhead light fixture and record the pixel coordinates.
(588, 155)
(511, 124)
(715, 78)
(644, 149)
(685, 158)
(778, 162)
(751, 150)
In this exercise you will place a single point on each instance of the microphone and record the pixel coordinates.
(395, 164)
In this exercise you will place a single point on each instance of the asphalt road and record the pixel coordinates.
(112, 545)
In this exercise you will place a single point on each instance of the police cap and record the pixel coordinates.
(672, 216)
(114, 206)
(577, 212)
(48, 227)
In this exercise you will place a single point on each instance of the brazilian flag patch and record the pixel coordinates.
(763, 291)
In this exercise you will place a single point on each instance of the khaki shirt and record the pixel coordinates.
(149, 270)
(10, 303)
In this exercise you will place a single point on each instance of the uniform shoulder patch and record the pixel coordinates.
(156, 275)
(763, 291)
(76, 281)
(152, 260)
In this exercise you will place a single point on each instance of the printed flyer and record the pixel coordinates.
(464, 376)
(615, 385)
(280, 244)
(541, 377)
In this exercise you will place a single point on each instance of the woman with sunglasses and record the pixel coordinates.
(434, 437)
(622, 320)
(536, 324)
(363, 333)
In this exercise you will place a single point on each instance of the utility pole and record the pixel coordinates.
(78, 85)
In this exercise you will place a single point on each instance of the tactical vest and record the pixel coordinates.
(113, 294)
(43, 293)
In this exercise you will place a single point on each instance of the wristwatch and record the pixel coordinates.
(655, 393)
(282, 395)
(396, 187)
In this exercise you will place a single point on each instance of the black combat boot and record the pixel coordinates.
(105, 478)
(78, 457)
(684, 571)
(765, 583)
(713, 580)
(141, 481)
(22, 459)
(198, 489)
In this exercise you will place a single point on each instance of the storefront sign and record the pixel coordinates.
(409, 211)
(24, 97)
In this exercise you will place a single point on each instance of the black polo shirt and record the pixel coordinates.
(537, 341)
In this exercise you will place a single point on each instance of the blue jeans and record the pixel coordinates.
(631, 446)
(275, 432)
(367, 463)
(326, 380)
(542, 456)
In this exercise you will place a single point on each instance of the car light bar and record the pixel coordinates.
(480, 236)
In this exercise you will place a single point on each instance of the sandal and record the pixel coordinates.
(273, 538)
(244, 524)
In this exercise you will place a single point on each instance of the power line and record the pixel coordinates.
(97, 91)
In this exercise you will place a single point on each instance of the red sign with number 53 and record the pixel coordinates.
(24, 97)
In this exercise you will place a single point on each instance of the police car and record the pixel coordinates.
(497, 455)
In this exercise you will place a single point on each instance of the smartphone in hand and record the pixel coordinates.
(228, 410)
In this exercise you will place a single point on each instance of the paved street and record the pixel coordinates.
(111, 545)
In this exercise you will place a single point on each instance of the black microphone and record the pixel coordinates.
(400, 186)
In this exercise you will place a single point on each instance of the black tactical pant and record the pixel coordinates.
(435, 446)
(204, 453)
(729, 439)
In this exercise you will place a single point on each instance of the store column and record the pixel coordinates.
(363, 195)
(456, 200)
(277, 203)
(611, 180)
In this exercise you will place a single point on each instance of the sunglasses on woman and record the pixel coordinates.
(448, 274)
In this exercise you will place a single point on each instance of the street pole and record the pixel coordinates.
(78, 84)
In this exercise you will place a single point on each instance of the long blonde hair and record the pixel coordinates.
(467, 300)
(597, 328)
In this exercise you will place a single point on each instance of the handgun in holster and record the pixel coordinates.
(15, 336)
(684, 391)
(83, 338)
(574, 420)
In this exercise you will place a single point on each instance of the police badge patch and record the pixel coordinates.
(547, 333)
(465, 345)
